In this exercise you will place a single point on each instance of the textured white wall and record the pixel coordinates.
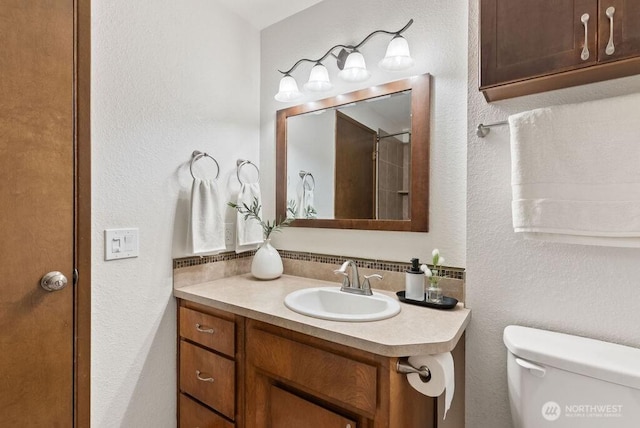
(167, 79)
(438, 43)
(590, 291)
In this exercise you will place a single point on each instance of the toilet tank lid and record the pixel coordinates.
(589, 357)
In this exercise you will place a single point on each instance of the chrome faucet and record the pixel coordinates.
(351, 283)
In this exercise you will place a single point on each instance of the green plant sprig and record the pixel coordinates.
(253, 212)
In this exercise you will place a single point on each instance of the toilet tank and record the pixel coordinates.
(557, 380)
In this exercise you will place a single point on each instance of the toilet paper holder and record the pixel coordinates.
(403, 366)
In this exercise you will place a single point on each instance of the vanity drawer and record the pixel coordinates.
(342, 379)
(290, 411)
(194, 415)
(208, 330)
(208, 377)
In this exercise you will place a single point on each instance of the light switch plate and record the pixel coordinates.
(120, 244)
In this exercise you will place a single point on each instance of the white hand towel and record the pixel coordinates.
(207, 224)
(576, 172)
(308, 204)
(249, 232)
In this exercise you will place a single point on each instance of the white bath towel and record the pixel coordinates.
(575, 172)
(249, 232)
(206, 226)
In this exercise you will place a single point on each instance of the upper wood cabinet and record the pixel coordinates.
(625, 37)
(530, 46)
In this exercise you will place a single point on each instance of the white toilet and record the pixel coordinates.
(561, 381)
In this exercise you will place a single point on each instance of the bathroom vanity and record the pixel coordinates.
(246, 360)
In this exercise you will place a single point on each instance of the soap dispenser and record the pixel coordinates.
(414, 282)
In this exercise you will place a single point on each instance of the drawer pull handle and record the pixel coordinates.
(585, 49)
(203, 329)
(203, 379)
(610, 47)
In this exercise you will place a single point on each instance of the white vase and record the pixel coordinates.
(266, 263)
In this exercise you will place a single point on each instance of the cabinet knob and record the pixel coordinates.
(610, 47)
(585, 49)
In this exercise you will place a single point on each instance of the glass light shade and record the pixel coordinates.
(318, 79)
(288, 90)
(355, 69)
(397, 57)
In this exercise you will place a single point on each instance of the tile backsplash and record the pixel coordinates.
(193, 270)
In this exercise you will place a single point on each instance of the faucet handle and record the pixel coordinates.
(345, 276)
(366, 284)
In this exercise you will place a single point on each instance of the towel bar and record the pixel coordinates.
(196, 156)
(303, 175)
(242, 162)
(483, 130)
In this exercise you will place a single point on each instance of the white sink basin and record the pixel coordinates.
(330, 303)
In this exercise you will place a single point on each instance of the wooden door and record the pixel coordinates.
(624, 41)
(355, 169)
(527, 38)
(38, 129)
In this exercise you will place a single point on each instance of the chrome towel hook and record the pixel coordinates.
(242, 162)
(196, 156)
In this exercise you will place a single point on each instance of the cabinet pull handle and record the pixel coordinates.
(203, 329)
(585, 49)
(203, 379)
(610, 47)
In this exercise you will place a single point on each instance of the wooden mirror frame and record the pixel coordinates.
(420, 87)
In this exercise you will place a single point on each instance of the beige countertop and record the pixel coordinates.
(415, 330)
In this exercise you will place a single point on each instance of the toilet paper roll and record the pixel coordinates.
(442, 377)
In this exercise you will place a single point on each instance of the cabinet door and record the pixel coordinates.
(619, 31)
(527, 38)
(290, 411)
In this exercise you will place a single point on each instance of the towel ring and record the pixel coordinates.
(196, 156)
(242, 162)
(304, 175)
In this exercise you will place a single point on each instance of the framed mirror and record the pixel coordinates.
(358, 160)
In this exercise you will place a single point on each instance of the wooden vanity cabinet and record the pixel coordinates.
(266, 376)
(210, 367)
(534, 46)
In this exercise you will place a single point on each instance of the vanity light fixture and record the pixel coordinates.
(351, 64)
